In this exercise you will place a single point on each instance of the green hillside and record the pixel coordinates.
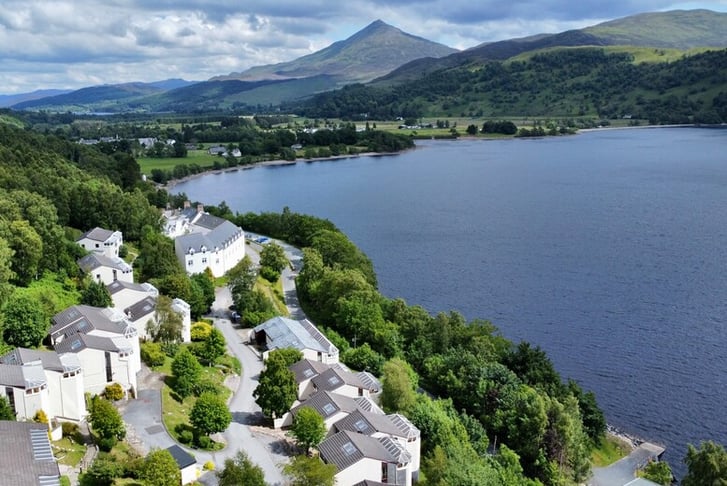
(679, 29)
(573, 82)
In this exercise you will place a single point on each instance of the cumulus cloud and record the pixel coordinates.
(77, 43)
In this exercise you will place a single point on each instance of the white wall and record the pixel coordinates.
(110, 249)
(106, 275)
(93, 362)
(26, 406)
(189, 474)
(66, 396)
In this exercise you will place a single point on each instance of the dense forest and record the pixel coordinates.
(556, 83)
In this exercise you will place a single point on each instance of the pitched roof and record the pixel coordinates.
(143, 308)
(50, 360)
(183, 458)
(206, 220)
(335, 378)
(27, 458)
(282, 332)
(368, 423)
(327, 404)
(219, 237)
(119, 285)
(97, 234)
(305, 369)
(80, 341)
(347, 448)
(84, 319)
(93, 261)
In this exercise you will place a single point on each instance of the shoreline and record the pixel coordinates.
(274, 163)
(280, 162)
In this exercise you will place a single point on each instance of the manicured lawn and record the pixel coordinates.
(68, 452)
(611, 450)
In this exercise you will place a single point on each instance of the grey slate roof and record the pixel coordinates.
(143, 308)
(305, 369)
(333, 379)
(93, 261)
(368, 482)
(182, 457)
(50, 359)
(347, 448)
(27, 458)
(327, 404)
(370, 423)
(282, 332)
(97, 234)
(79, 342)
(119, 285)
(84, 319)
(206, 220)
(12, 376)
(218, 238)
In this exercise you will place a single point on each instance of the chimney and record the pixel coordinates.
(200, 208)
(187, 204)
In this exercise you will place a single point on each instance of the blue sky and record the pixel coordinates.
(70, 44)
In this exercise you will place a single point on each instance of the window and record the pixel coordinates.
(109, 374)
(189, 263)
(96, 245)
(349, 448)
(204, 260)
(384, 472)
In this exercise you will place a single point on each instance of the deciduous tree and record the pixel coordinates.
(210, 414)
(24, 322)
(166, 327)
(213, 347)
(309, 471)
(308, 428)
(241, 471)
(6, 412)
(186, 371)
(707, 466)
(399, 386)
(96, 294)
(160, 469)
(106, 421)
(277, 388)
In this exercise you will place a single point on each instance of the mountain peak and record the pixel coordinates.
(371, 52)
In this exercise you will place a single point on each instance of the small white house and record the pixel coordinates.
(26, 389)
(99, 240)
(313, 376)
(186, 462)
(395, 426)
(361, 457)
(106, 343)
(64, 377)
(106, 269)
(281, 332)
(125, 294)
(105, 360)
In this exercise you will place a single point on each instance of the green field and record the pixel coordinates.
(199, 157)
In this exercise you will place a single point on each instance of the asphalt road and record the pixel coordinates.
(268, 450)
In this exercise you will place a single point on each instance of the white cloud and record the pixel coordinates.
(77, 43)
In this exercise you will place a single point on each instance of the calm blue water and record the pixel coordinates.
(607, 249)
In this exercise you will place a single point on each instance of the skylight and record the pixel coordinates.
(348, 448)
(328, 408)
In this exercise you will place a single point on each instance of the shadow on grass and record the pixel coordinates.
(170, 381)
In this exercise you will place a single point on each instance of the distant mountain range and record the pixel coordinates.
(381, 54)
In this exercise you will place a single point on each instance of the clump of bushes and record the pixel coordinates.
(113, 392)
(152, 354)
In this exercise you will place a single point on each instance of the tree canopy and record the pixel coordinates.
(308, 428)
(210, 414)
(277, 389)
(240, 471)
(160, 469)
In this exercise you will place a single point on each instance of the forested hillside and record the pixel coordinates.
(569, 82)
(496, 412)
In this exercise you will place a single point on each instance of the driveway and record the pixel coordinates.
(265, 447)
(623, 471)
